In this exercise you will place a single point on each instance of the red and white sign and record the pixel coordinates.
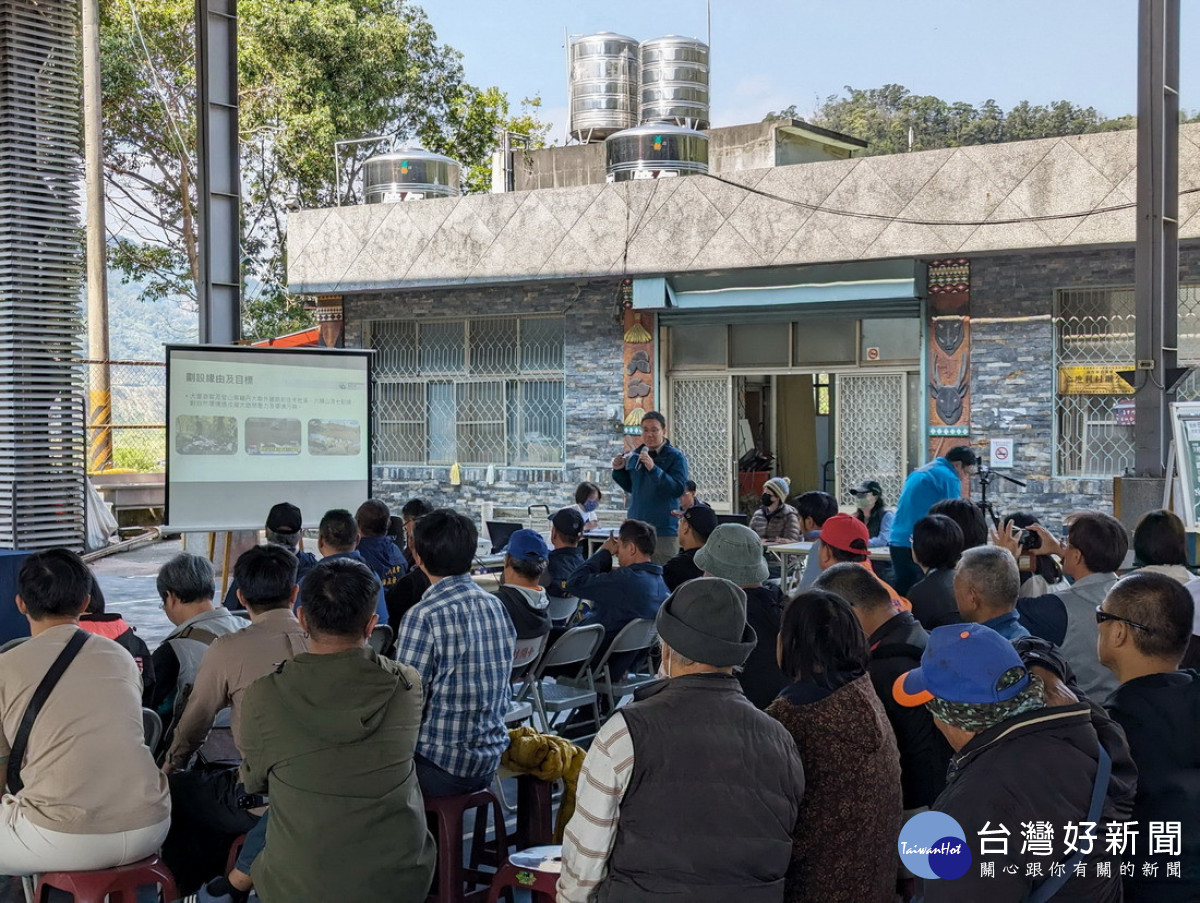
(872, 354)
(1002, 452)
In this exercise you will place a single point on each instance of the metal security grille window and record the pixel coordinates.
(482, 391)
(1094, 417)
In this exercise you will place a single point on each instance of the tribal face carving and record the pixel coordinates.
(948, 400)
(948, 332)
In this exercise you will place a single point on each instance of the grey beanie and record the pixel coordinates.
(734, 552)
(705, 620)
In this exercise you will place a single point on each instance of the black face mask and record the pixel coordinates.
(767, 499)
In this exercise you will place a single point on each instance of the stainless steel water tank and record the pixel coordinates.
(655, 150)
(675, 82)
(410, 174)
(602, 85)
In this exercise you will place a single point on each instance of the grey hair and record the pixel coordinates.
(287, 540)
(993, 573)
(190, 577)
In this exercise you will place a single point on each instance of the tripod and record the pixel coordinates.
(986, 475)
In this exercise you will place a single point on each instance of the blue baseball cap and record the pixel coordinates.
(527, 544)
(963, 663)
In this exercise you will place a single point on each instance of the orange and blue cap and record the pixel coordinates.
(963, 663)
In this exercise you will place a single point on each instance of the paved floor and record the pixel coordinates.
(128, 582)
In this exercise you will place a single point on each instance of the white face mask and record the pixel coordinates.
(865, 502)
(664, 670)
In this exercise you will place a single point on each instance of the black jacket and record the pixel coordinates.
(561, 564)
(681, 569)
(1161, 717)
(932, 599)
(404, 594)
(530, 622)
(896, 647)
(760, 677)
(1039, 766)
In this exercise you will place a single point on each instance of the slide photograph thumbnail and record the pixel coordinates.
(334, 437)
(206, 435)
(273, 436)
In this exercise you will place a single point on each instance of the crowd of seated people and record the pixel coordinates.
(844, 710)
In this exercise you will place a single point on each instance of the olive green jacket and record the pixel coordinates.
(330, 739)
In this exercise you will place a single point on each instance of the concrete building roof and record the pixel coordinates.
(961, 201)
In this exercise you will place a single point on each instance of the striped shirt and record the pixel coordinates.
(460, 639)
(590, 834)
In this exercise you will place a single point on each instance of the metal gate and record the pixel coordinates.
(871, 414)
(701, 426)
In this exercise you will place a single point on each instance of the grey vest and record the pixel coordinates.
(191, 640)
(712, 802)
(1079, 643)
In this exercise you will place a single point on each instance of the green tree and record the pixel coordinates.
(312, 72)
(886, 118)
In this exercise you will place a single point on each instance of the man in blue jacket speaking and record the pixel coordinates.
(655, 476)
(941, 478)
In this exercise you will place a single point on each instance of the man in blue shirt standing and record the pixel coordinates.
(460, 639)
(655, 475)
(941, 478)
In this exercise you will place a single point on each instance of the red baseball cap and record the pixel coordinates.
(847, 533)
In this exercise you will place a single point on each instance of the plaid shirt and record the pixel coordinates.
(461, 641)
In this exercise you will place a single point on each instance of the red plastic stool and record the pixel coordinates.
(541, 885)
(118, 885)
(452, 874)
(235, 850)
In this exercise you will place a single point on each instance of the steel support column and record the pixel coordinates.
(219, 291)
(1156, 269)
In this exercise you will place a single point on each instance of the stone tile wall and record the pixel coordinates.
(1013, 376)
(593, 390)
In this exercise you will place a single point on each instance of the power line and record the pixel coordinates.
(909, 221)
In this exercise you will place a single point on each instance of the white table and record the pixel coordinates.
(792, 556)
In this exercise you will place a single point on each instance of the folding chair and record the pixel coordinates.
(381, 639)
(561, 608)
(152, 728)
(525, 657)
(636, 636)
(575, 647)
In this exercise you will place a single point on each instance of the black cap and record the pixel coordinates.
(701, 518)
(867, 486)
(568, 522)
(284, 518)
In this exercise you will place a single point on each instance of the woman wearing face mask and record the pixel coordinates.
(868, 500)
(587, 500)
(776, 521)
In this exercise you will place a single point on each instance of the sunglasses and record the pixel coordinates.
(1102, 616)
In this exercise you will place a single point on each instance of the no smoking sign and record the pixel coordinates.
(1002, 452)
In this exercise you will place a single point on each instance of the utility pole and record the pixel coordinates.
(1156, 261)
(219, 292)
(100, 447)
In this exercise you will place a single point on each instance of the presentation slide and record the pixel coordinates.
(249, 427)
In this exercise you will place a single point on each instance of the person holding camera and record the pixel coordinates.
(1095, 547)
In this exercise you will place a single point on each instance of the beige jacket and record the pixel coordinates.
(87, 769)
(232, 663)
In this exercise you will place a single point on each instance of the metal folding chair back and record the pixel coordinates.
(576, 646)
(561, 609)
(526, 652)
(636, 636)
(381, 639)
(152, 728)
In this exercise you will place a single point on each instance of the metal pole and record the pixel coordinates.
(219, 219)
(1156, 262)
(100, 447)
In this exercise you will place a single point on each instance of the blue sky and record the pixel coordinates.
(768, 54)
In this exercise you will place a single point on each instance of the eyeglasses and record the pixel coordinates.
(1102, 616)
